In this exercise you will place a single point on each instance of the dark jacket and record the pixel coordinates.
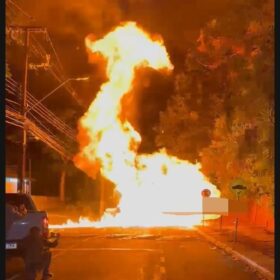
(34, 248)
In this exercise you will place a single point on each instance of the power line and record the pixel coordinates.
(56, 70)
(16, 110)
(20, 9)
(38, 129)
(52, 141)
(41, 111)
(44, 116)
(57, 57)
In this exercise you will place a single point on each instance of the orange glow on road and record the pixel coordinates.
(150, 184)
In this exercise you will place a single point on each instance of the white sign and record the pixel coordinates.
(11, 246)
(215, 205)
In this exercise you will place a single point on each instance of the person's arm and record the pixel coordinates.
(16, 215)
(51, 243)
(22, 210)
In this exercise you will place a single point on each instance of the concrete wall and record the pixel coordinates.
(258, 214)
(261, 214)
(47, 202)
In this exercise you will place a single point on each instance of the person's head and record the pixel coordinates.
(34, 232)
(22, 206)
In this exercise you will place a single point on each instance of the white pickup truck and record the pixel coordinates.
(20, 228)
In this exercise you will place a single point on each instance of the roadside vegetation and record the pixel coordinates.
(222, 112)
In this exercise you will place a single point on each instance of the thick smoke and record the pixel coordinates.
(177, 21)
(75, 18)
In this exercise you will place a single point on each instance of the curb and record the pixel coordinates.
(263, 271)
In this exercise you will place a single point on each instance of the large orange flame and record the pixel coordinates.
(150, 184)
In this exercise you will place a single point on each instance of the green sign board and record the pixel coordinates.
(238, 186)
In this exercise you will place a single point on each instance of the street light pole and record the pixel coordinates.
(23, 132)
(30, 177)
(238, 189)
(54, 90)
(102, 195)
(236, 222)
(62, 179)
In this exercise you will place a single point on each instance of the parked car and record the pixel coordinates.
(21, 227)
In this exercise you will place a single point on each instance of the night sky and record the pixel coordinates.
(69, 22)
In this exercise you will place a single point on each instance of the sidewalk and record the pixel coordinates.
(254, 243)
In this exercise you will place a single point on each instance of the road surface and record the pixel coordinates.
(138, 254)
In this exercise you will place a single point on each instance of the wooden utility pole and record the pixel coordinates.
(62, 182)
(30, 177)
(23, 133)
(102, 195)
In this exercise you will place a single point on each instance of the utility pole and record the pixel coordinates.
(30, 177)
(102, 195)
(62, 181)
(23, 134)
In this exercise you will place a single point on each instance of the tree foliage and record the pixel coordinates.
(222, 111)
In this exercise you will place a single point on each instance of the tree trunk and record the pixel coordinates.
(102, 190)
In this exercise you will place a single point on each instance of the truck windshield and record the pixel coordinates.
(18, 199)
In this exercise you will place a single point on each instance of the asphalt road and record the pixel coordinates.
(138, 254)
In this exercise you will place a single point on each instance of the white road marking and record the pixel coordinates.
(72, 248)
(117, 235)
(162, 259)
(141, 274)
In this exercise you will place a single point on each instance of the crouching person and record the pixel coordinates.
(37, 255)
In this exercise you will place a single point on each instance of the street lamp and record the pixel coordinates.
(54, 90)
